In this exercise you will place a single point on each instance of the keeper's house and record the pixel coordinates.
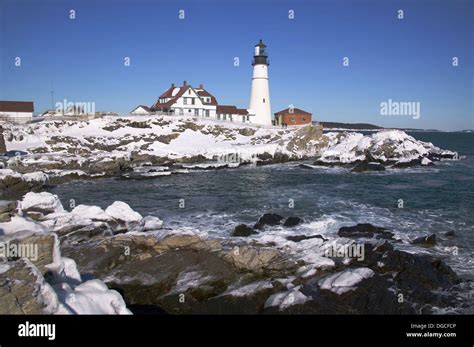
(292, 116)
(16, 111)
(187, 100)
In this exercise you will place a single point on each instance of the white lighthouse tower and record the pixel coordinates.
(260, 95)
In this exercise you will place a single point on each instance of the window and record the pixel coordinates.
(263, 100)
(189, 92)
(185, 101)
(248, 118)
(230, 118)
(292, 119)
(207, 113)
(218, 117)
(181, 111)
(192, 101)
(196, 112)
(303, 119)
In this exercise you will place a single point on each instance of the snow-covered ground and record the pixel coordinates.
(66, 149)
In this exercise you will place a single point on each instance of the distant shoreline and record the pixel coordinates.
(335, 126)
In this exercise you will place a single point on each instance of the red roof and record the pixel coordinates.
(16, 106)
(182, 90)
(168, 93)
(230, 109)
(294, 111)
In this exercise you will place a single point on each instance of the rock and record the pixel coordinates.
(151, 223)
(43, 202)
(425, 241)
(258, 259)
(449, 233)
(292, 221)
(23, 290)
(368, 166)
(345, 280)
(364, 230)
(426, 162)
(3, 147)
(406, 164)
(298, 238)
(122, 212)
(243, 230)
(13, 186)
(415, 271)
(7, 206)
(40, 249)
(268, 219)
(309, 138)
(5, 217)
(369, 293)
(7, 210)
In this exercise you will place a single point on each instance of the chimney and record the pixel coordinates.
(172, 85)
(185, 83)
(201, 86)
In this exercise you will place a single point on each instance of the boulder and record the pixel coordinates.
(364, 230)
(43, 202)
(40, 249)
(368, 166)
(7, 209)
(292, 221)
(268, 219)
(258, 259)
(298, 238)
(425, 241)
(23, 290)
(127, 218)
(243, 230)
(150, 223)
(7, 206)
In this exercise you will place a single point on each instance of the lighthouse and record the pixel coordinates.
(260, 95)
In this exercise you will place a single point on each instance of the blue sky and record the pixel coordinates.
(402, 60)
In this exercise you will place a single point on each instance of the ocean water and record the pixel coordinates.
(435, 199)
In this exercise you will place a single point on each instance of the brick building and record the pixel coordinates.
(292, 116)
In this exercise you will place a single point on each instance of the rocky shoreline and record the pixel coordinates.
(159, 270)
(88, 255)
(55, 152)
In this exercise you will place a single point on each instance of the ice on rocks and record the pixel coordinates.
(91, 212)
(283, 300)
(123, 212)
(346, 280)
(41, 202)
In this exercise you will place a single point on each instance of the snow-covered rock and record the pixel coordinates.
(123, 212)
(388, 147)
(283, 300)
(346, 280)
(43, 202)
(150, 223)
(94, 213)
(91, 297)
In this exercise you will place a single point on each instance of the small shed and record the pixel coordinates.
(141, 110)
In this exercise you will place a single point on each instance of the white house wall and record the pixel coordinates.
(20, 117)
